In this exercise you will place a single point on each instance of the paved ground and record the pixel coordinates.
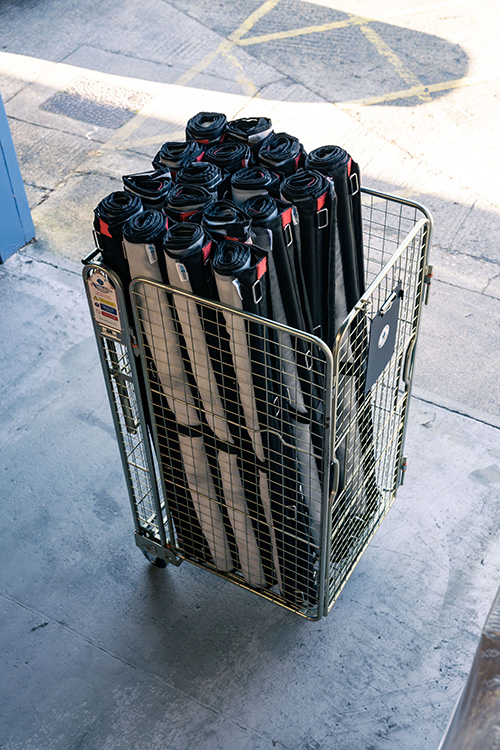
(99, 649)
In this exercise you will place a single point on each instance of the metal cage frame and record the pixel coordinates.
(358, 453)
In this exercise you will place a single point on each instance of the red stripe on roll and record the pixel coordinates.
(321, 201)
(261, 268)
(286, 217)
(103, 228)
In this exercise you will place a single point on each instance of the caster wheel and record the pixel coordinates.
(156, 561)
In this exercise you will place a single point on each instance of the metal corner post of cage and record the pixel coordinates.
(116, 346)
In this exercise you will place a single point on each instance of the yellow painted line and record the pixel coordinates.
(125, 131)
(252, 19)
(226, 45)
(418, 91)
(246, 83)
(196, 69)
(388, 53)
(371, 35)
(223, 48)
(298, 32)
(353, 21)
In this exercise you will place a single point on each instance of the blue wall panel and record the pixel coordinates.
(16, 225)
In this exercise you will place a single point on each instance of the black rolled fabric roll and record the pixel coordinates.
(314, 197)
(253, 181)
(178, 154)
(339, 166)
(229, 157)
(224, 219)
(148, 226)
(282, 154)
(207, 175)
(109, 217)
(207, 344)
(207, 128)
(143, 243)
(186, 468)
(189, 243)
(261, 209)
(250, 130)
(241, 273)
(335, 162)
(151, 187)
(187, 202)
(274, 228)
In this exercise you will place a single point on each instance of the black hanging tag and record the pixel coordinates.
(383, 331)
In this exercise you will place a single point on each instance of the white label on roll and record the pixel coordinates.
(181, 270)
(151, 253)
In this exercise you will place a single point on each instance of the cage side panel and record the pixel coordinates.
(130, 423)
(244, 464)
(369, 423)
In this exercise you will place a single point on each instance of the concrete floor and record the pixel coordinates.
(100, 649)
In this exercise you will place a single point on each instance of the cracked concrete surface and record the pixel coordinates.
(100, 649)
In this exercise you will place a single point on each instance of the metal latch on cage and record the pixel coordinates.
(427, 281)
(402, 469)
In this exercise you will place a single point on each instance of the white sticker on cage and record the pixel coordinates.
(182, 271)
(383, 336)
(104, 300)
(151, 253)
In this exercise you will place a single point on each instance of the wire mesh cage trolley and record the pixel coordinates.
(251, 449)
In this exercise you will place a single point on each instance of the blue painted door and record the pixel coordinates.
(16, 225)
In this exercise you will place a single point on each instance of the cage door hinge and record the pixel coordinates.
(155, 549)
(133, 341)
(427, 281)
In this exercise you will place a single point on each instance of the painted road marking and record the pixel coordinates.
(224, 48)
(48, 73)
(345, 23)
(418, 91)
(385, 51)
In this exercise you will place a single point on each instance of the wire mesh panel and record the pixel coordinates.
(245, 475)
(373, 365)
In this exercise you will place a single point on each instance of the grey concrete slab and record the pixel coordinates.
(459, 330)
(250, 73)
(35, 194)
(27, 105)
(28, 27)
(179, 655)
(46, 156)
(479, 233)
(64, 221)
(10, 87)
(493, 287)
(113, 165)
(129, 63)
(209, 13)
(138, 706)
(465, 271)
(155, 31)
